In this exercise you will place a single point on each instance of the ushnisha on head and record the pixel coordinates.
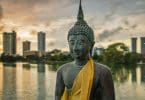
(82, 28)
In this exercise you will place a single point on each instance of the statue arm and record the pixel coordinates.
(59, 88)
(107, 86)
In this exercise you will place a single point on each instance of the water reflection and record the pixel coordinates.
(134, 74)
(1, 80)
(130, 84)
(26, 82)
(143, 73)
(9, 82)
(41, 67)
(37, 81)
(41, 82)
(138, 75)
(19, 82)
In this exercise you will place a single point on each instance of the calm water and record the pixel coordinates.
(22, 81)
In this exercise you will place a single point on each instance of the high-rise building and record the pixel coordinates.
(143, 45)
(26, 46)
(41, 41)
(9, 43)
(134, 44)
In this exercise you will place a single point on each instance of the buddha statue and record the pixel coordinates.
(83, 79)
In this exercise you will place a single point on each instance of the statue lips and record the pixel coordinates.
(76, 54)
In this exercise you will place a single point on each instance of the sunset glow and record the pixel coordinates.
(111, 20)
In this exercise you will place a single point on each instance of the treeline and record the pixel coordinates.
(54, 55)
(117, 54)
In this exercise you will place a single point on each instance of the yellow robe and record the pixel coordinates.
(82, 84)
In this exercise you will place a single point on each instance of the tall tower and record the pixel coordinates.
(133, 44)
(14, 47)
(9, 43)
(26, 46)
(143, 45)
(41, 41)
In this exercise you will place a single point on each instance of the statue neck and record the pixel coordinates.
(80, 62)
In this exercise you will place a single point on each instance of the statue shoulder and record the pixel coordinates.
(101, 68)
(64, 67)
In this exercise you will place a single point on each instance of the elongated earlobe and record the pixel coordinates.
(91, 49)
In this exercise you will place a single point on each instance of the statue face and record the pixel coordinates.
(79, 46)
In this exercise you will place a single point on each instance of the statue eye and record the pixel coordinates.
(80, 43)
(71, 43)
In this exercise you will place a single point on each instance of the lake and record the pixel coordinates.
(24, 81)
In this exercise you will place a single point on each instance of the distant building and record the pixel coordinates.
(30, 53)
(143, 45)
(133, 44)
(26, 46)
(9, 43)
(41, 41)
(98, 50)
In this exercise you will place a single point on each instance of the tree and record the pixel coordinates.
(58, 55)
(114, 54)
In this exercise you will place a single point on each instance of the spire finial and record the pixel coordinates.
(80, 13)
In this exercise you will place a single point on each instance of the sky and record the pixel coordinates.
(111, 20)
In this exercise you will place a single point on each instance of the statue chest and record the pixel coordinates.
(69, 76)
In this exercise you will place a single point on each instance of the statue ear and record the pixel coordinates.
(91, 48)
(93, 44)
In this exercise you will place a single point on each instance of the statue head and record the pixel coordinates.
(81, 37)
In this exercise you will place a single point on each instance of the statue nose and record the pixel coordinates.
(76, 47)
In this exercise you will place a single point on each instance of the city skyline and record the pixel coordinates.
(10, 44)
(112, 20)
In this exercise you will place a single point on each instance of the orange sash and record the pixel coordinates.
(82, 84)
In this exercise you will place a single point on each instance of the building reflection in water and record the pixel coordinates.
(29, 82)
(132, 88)
(9, 81)
(50, 82)
(138, 75)
(142, 73)
(41, 67)
(19, 82)
(41, 82)
(130, 78)
(1, 80)
(26, 81)
(134, 74)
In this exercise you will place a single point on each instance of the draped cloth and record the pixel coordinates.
(82, 85)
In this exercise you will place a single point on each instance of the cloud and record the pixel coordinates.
(1, 12)
(1, 15)
(134, 26)
(33, 32)
(113, 9)
(18, 38)
(34, 10)
(109, 18)
(107, 33)
(1, 28)
(51, 44)
(129, 25)
(126, 22)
